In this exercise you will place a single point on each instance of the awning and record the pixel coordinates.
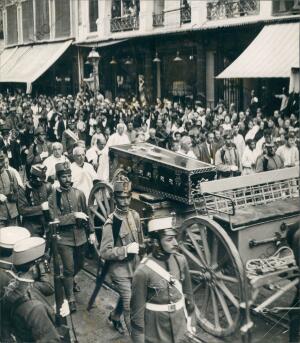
(25, 64)
(272, 54)
(101, 44)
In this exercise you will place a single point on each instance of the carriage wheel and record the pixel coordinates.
(217, 275)
(101, 205)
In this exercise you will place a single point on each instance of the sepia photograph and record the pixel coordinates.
(149, 171)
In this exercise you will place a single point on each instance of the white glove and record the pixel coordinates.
(132, 248)
(234, 168)
(44, 154)
(81, 215)
(189, 325)
(64, 310)
(3, 198)
(92, 238)
(45, 206)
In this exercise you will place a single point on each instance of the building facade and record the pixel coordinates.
(152, 48)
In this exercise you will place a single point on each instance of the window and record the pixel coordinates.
(158, 14)
(93, 14)
(62, 18)
(27, 22)
(42, 19)
(12, 25)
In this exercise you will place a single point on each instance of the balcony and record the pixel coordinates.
(126, 23)
(286, 7)
(158, 19)
(222, 9)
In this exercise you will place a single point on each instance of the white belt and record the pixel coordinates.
(166, 308)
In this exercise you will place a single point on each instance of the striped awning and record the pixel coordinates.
(273, 53)
(25, 64)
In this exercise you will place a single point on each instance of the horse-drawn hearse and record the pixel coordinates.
(232, 231)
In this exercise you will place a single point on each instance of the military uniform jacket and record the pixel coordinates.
(8, 185)
(29, 205)
(62, 205)
(26, 310)
(148, 286)
(34, 153)
(121, 265)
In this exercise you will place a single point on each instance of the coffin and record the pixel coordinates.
(160, 171)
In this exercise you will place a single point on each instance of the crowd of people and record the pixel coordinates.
(263, 137)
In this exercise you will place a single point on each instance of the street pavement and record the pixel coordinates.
(94, 327)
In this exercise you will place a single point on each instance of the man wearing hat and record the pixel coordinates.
(162, 302)
(227, 159)
(269, 160)
(24, 308)
(33, 201)
(8, 195)
(68, 206)
(121, 238)
(39, 150)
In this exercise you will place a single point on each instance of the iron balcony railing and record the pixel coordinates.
(158, 19)
(126, 23)
(221, 9)
(185, 14)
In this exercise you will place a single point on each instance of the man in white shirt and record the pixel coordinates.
(238, 140)
(83, 173)
(119, 137)
(51, 161)
(249, 158)
(97, 155)
(288, 152)
(186, 147)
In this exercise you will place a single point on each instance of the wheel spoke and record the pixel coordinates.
(107, 207)
(192, 257)
(227, 278)
(197, 247)
(100, 204)
(228, 294)
(98, 215)
(206, 301)
(215, 309)
(224, 307)
(214, 253)
(205, 246)
(196, 272)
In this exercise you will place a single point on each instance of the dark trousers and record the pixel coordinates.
(73, 260)
(8, 222)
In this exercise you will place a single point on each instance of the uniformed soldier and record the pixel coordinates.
(70, 137)
(8, 195)
(120, 247)
(162, 301)
(68, 206)
(33, 201)
(23, 290)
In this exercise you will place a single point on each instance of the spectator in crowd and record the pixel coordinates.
(131, 132)
(249, 158)
(186, 147)
(238, 140)
(269, 160)
(119, 137)
(208, 149)
(152, 137)
(289, 152)
(50, 162)
(227, 159)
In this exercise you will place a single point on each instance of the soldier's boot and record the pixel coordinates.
(127, 321)
(68, 286)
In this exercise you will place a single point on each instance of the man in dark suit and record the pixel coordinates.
(208, 149)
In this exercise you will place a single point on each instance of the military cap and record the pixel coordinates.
(164, 226)
(122, 185)
(5, 128)
(271, 144)
(227, 136)
(28, 250)
(38, 170)
(39, 131)
(63, 167)
(9, 236)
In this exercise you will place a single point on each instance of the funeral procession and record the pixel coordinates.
(149, 171)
